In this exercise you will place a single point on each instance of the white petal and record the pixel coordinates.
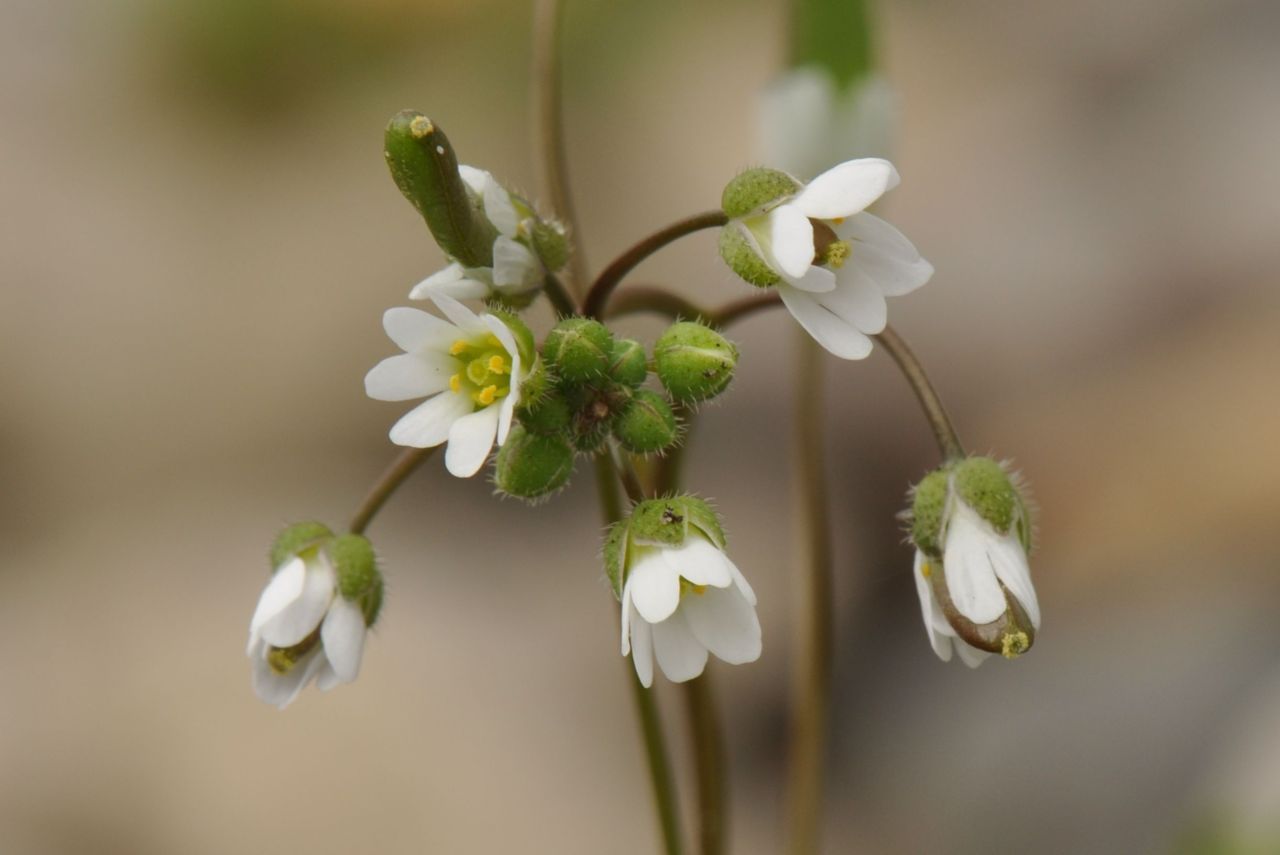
(725, 623)
(699, 562)
(831, 332)
(343, 634)
(470, 441)
(655, 589)
(885, 254)
(1010, 562)
(680, 654)
(476, 179)
(790, 240)
(857, 300)
(740, 582)
(494, 325)
(815, 280)
(284, 587)
(971, 656)
(626, 619)
(326, 677)
(300, 618)
(416, 330)
(498, 208)
(428, 423)
(280, 689)
(939, 640)
(846, 189)
(409, 375)
(463, 318)
(966, 561)
(512, 264)
(642, 648)
(461, 288)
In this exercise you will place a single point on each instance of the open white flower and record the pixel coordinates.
(516, 270)
(833, 263)
(304, 629)
(471, 367)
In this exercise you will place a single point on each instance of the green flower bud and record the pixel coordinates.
(694, 362)
(296, 539)
(550, 243)
(740, 253)
(928, 505)
(594, 409)
(754, 189)
(546, 414)
(358, 577)
(658, 522)
(579, 348)
(647, 425)
(628, 364)
(987, 488)
(424, 167)
(532, 465)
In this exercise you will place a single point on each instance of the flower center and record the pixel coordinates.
(828, 249)
(283, 659)
(1014, 644)
(484, 369)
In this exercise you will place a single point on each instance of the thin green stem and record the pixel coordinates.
(811, 687)
(400, 469)
(627, 474)
(548, 19)
(647, 298)
(709, 756)
(943, 429)
(596, 302)
(561, 299)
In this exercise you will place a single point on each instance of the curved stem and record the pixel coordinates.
(626, 472)
(736, 310)
(943, 430)
(647, 298)
(811, 689)
(598, 297)
(400, 469)
(554, 176)
(561, 299)
(709, 754)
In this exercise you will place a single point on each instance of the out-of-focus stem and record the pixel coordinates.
(400, 469)
(561, 299)
(709, 765)
(647, 298)
(943, 429)
(811, 686)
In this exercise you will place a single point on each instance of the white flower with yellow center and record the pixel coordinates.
(682, 598)
(516, 269)
(470, 365)
(832, 263)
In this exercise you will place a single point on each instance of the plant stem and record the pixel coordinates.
(736, 310)
(647, 298)
(627, 475)
(561, 299)
(400, 469)
(943, 429)
(597, 300)
(811, 687)
(709, 754)
(554, 177)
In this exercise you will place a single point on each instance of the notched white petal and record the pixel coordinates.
(846, 189)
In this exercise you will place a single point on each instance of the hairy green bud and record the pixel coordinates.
(647, 425)
(754, 189)
(694, 362)
(550, 243)
(579, 348)
(628, 364)
(984, 485)
(532, 465)
(740, 253)
(928, 505)
(296, 539)
(424, 167)
(358, 577)
(546, 414)
(661, 523)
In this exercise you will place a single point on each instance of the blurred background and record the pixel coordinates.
(199, 238)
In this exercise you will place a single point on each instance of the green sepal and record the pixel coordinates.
(297, 539)
(545, 414)
(628, 364)
(530, 465)
(660, 522)
(615, 555)
(984, 485)
(740, 253)
(424, 167)
(751, 191)
(694, 362)
(928, 506)
(550, 243)
(358, 577)
(705, 519)
(647, 425)
(579, 348)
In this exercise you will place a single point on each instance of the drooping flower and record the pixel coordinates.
(517, 271)
(682, 597)
(470, 367)
(832, 263)
(312, 617)
(971, 530)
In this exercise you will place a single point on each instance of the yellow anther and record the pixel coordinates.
(1014, 644)
(455, 383)
(497, 364)
(838, 220)
(837, 254)
(279, 660)
(487, 394)
(925, 570)
(687, 587)
(459, 346)
(698, 589)
(494, 341)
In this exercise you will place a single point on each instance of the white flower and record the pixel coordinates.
(304, 628)
(681, 602)
(838, 263)
(516, 269)
(807, 123)
(471, 368)
(980, 593)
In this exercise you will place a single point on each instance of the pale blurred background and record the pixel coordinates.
(199, 238)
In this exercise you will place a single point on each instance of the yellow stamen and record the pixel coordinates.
(925, 570)
(458, 347)
(497, 364)
(1014, 644)
(838, 220)
(455, 383)
(487, 394)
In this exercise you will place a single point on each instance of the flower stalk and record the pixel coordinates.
(913, 371)
(397, 473)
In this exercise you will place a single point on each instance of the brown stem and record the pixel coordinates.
(943, 429)
(400, 469)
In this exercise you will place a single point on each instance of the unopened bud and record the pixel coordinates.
(740, 252)
(579, 348)
(694, 362)
(550, 243)
(296, 539)
(628, 364)
(358, 577)
(647, 425)
(751, 191)
(546, 414)
(532, 465)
